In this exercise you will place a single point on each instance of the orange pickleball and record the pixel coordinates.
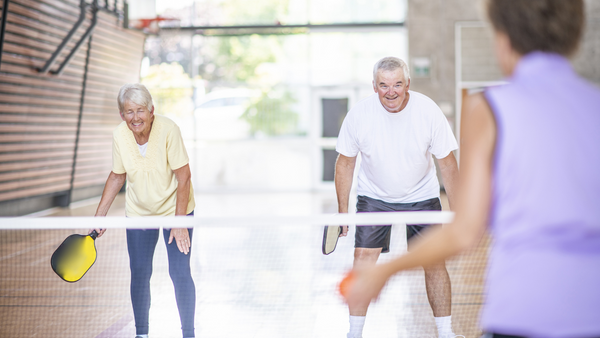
(346, 284)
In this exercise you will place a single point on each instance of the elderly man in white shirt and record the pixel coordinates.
(396, 131)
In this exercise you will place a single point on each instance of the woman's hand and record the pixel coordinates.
(367, 284)
(182, 238)
(99, 231)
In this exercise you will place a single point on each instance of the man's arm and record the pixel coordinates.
(449, 170)
(344, 172)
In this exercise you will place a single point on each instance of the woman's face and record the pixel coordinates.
(138, 118)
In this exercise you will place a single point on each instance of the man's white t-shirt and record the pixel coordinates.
(396, 148)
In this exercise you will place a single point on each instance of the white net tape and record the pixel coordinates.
(371, 218)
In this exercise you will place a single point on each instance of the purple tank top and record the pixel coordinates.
(544, 266)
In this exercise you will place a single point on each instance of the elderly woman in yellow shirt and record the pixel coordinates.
(148, 152)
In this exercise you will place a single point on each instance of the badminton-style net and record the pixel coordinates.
(259, 276)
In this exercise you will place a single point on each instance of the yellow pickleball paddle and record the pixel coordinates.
(74, 257)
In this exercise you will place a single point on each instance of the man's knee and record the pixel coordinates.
(366, 255)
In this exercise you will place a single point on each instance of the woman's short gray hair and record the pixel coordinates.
(136, 93)
(391, 63)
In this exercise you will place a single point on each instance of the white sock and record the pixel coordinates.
(356, 326)
(142, 335)
(444, 326)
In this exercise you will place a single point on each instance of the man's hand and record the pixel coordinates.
(344, 232)
(182, 238)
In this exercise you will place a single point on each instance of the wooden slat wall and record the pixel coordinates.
(115, 59)
(39, 112)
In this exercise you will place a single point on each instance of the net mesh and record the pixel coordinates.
(251, 280)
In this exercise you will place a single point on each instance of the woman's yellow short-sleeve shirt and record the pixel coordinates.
(151, 182)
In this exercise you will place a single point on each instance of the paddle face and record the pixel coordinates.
(74, 257)
(331, 233)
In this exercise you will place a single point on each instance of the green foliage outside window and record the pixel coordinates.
(251, 60)
(271, 114)
(231, 62)
(171, 89)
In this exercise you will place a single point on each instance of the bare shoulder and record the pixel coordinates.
(476, 103)
(478, 120)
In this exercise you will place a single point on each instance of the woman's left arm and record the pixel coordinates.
(181, 235)
(183, 176)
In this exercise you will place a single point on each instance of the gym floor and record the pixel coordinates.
(250, 281)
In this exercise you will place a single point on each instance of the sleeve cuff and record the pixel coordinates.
(445, 154)
(179, 166)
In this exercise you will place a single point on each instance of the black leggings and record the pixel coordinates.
(141, 245)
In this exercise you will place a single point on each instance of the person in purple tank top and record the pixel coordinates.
(528, 175)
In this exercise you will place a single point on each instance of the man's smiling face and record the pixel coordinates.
(392, 88)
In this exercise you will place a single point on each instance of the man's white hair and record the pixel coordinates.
(391, 63)
(136, 93)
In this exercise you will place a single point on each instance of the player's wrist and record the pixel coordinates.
(390, 268)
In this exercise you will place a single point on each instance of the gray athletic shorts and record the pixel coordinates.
(378, 236)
